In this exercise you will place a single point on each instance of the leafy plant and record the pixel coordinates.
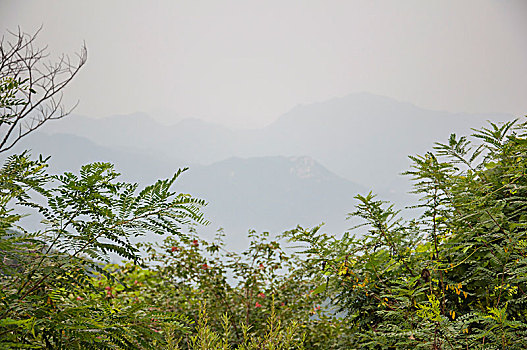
(48, 298)
(183, 273)
(453, 278)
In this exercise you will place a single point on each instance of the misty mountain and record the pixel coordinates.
(265, 193)
(362, 137)
(302, 169)
(273, 193)
(69, 152)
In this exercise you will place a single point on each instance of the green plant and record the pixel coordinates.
(276, 337)
(48, 299)
(456, 276)
(184, 272)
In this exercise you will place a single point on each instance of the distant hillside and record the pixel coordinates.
(363, 137)
(265, 193)
(69, 152)
(272, 193)
(303, 168)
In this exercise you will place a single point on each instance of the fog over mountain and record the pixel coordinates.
(302, 169)
(363, 137)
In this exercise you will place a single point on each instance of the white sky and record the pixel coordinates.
(243, 63)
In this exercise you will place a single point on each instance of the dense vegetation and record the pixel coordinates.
(456, 276)
(453, 278)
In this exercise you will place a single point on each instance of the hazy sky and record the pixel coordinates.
(244, 63)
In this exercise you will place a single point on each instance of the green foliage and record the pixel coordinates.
(56, 294)
(455, 277)
(48, 299)
(276, 336)
(249, 288)
(10, 89)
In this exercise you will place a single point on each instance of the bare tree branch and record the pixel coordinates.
(31, 89)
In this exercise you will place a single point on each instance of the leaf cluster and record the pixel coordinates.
(455, 277)
(48, 295)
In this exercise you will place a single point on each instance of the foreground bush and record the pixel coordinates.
(57, 294)
(48, 299)
(455, 278)
(250, 289)
(276, 336)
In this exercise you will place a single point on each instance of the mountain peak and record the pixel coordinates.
(304, 167)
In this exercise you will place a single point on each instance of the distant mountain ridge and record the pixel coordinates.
(302, 169)
(272, 193)
(363, 137)
(264, 193)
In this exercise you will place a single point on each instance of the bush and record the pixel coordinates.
(456, 276)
